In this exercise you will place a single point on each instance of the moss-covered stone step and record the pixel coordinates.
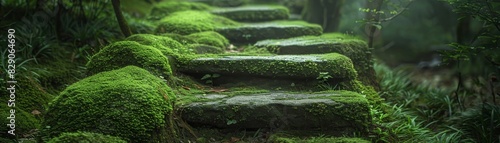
(253, 32)
(352, 47)
(342, 112)
(254, 13)
(280, 66)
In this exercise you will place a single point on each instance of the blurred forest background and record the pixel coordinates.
(438, 61)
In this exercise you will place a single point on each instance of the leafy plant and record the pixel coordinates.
(208, 78)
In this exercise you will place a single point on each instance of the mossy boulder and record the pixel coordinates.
(350, 46)
(124, 53)
(339, 67)
(188, 22)
(129, 103)
(166, 45)
(85, 137)
(253, 32)
(210, 38)
(166, 8)
(254, 13)
(342, 112)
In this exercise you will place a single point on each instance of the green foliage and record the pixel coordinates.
(208, 78)
(85, 137)
(481, 123)
(130, 103)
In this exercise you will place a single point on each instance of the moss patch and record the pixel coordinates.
(205, 49)
(85, 137)
(129, 103)
(124, 53)
(166, 45)
(210, 38)
(166, 8)
(254, 13)
(188, 22)
(179, 38)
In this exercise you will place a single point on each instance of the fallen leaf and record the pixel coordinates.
(36, 112)
(235, 139)
(186, 88)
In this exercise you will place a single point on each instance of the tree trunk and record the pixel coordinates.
(463, 30)
(323, 12)
(121, 20)
(373, 17)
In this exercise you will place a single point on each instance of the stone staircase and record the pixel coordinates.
(302, 57)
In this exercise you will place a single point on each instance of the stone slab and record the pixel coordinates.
(329, 111)
(253, 32)
(278, 66)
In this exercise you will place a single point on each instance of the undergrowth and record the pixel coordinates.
(421, 113)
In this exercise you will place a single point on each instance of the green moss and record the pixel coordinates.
(166, 45)
(124, 53)
(188, 22)
(254, 13)
(85, 137)
(25, 122)
(179, 38)
(130, 103)
(166, 8)
(210, 38)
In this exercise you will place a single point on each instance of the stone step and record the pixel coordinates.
(354, 48)
(253, 32)
(341, 112)
(337, 66)
(254, 13)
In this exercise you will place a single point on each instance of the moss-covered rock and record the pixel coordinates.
(210, 38)
(166, 8)
(85, 137)
(337, 66)
(166, 45)
(124, 53)
(253, 32)
(129, 103)
(188, 22)
(254, 13)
